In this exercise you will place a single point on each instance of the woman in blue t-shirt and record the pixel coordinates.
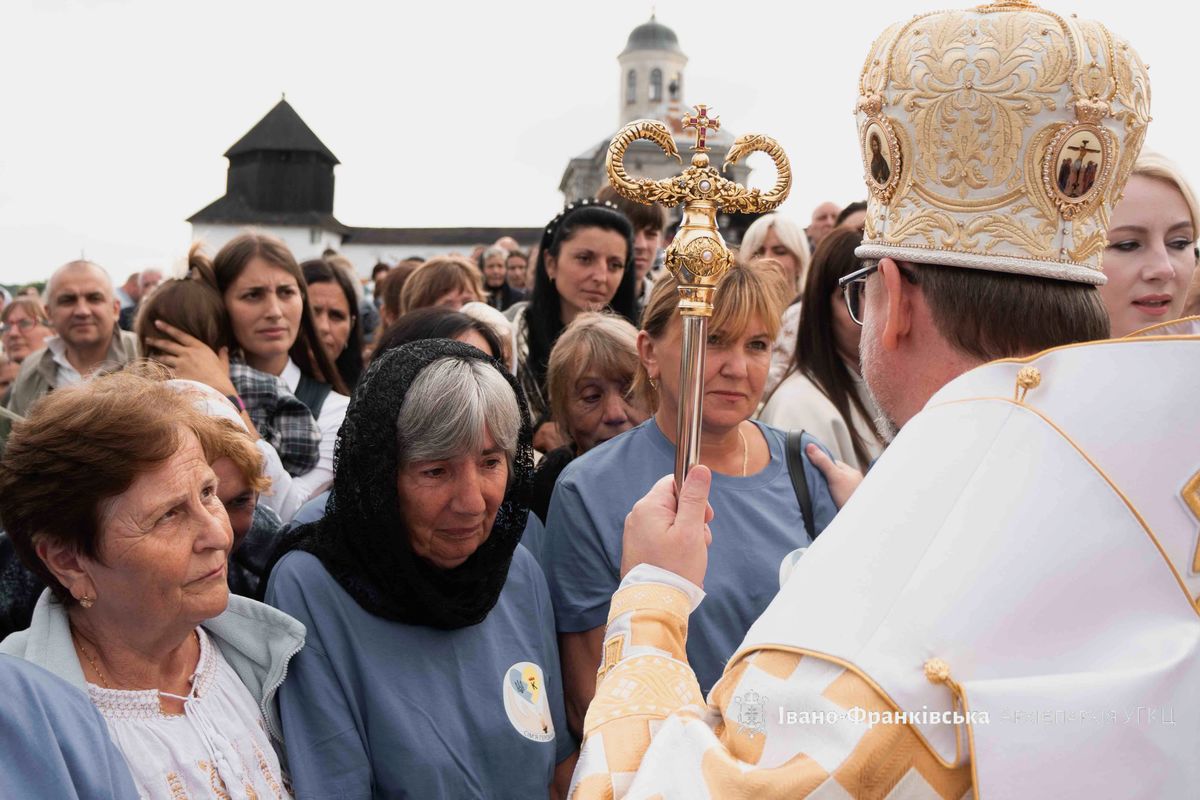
(429, 668)
(758, 520)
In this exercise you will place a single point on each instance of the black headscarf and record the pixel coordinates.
(362, 540)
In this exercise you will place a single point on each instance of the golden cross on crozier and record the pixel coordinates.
(703, 124)
(697, 257)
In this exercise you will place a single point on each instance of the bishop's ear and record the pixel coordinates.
(898, 303)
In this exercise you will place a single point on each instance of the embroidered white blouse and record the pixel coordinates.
(218, 748)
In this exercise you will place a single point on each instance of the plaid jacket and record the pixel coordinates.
(283, 421)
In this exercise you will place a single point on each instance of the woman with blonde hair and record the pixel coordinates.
(772, 237)
(590, 381)
(1151, 255)
(775, 236)
(761, 515)
(447, 281)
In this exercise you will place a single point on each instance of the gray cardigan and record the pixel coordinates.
(258, 642)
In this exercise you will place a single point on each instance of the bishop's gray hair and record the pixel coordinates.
(451, 406)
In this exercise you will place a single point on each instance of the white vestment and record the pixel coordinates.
(1047, 551)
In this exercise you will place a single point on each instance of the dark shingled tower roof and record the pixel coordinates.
(652, 35)
(281, 129)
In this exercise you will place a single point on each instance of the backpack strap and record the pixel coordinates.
(312, 393)
(795, 463)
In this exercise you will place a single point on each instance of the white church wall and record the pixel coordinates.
(304, 242)
(366, 256)
(643, 62)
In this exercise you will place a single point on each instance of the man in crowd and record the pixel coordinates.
(148, 281)
(991, 571)
(824, 218)
(648, 223)
(83, 309)
(128, 294)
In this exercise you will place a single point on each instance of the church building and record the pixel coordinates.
(280, 180)
(651, 86)
(280, 177)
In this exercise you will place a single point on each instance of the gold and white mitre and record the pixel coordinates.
(999, 138)
(1028, 549)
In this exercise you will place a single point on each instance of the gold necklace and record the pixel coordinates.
(96, 667)
(88, 655)
(745, 451)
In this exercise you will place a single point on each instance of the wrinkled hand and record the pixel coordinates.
(192, 359)
(842, 478)
(675, 536)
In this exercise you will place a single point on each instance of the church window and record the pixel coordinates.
(676, 86)
(655, 85)
(631, 88)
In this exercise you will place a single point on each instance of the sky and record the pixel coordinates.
(116, 112)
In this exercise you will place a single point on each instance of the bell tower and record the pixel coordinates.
(651, 76)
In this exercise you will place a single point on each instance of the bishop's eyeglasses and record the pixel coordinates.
(854, 284)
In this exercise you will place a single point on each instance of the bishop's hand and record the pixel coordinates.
(669, 533)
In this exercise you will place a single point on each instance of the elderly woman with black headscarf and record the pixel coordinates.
(430, 668)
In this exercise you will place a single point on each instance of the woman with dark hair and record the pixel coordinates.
(389, 290)
(335, 311)
(585, 263)
(266, 297)
(822, 392)
(184, 326)
(434, 322)
(430, 667)
(271, 320)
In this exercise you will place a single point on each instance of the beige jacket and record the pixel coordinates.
(38, 376)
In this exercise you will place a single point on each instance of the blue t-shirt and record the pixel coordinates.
(312, 511)
(756, 523)
(55, 742)
(375, 708)
(534, 537)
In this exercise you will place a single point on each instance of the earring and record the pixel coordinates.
(87, 601)
(654, 384)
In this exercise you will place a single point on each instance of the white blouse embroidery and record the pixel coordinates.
(218, 748)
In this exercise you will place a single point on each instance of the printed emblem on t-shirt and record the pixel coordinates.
(524, 689)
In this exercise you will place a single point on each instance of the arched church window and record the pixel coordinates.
(655, 85)
(631, 88)
(676, 86)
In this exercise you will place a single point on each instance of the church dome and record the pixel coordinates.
(652, 35)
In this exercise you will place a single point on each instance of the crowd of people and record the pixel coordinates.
(277, 529)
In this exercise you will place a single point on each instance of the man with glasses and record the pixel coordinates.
(1007, 606)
